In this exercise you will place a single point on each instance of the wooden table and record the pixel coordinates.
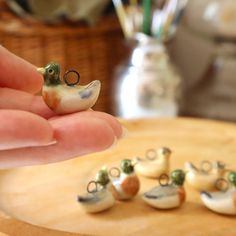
(46, 195)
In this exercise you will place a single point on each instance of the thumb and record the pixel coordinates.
(23, 129)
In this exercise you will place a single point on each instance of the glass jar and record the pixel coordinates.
(148, 85)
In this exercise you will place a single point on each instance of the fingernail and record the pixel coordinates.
(11, 146)
(114, 144)
(4, 216)
(54, 141)
(125, 132)
(3, 234)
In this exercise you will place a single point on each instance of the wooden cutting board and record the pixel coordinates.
(45, 196)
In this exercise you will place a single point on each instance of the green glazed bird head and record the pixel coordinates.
(232, 178)
(51, 74)
(178, 177)
(102, 177)
(127, 166)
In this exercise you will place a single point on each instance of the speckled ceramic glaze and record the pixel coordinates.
(205, 177)
(155, 164)
(224, 201)
(167, 195)
(65, 97)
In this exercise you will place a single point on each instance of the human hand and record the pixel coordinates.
(30, 133)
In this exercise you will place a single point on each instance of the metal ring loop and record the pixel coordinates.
(220, 184)
(164, 177)
(66, 75)
(89, 185)
(118, 171)
(151, 154)
(206, 166)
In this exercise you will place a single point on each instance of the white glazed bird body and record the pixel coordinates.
(220, 202)
(63, 99)
(165, 197)
(97, 201)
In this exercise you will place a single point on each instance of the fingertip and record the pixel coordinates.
(82, 135)
(75, 136)
(114, 123)
(125, 132)
(111, 120)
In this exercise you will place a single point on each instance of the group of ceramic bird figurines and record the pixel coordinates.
(217, 193)
(156, 164)
(117, 183)
(67, 96)
(123, 184)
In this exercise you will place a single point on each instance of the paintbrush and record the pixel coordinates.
(169, 14)
(134, 18)
(178, 13)
(120, 11)
(146, 16)
(133, 2)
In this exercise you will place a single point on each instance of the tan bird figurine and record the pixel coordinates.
(155, 164)
(205, 177)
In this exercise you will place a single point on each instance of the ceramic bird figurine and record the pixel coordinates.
(223, 202)
(167, 196)
(65, 98)
(204, 178)
(155, 164)
(99, 199)
(126, 184)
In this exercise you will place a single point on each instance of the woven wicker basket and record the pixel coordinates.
(93, 51)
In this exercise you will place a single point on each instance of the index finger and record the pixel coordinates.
(17, 73)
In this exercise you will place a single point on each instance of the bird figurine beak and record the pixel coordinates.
(41, 70)
(135, 161)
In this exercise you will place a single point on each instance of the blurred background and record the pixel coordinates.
(160, 58)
